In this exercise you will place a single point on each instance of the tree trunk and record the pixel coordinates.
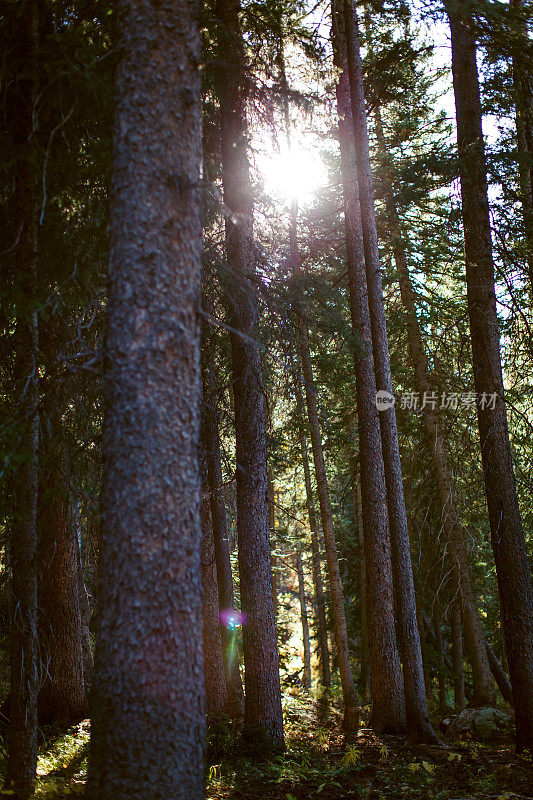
(457, 650)
(306, 680)
(508, 543)
(226, 599)
(454, 532)
(263, 713)
(418, 722)
(351, 701)
(358, 516)
(441, 676)
(272, 530)
(216, 695)
(315, 549)
(388, 704)
(523, 97)
(19, 109)
(62, 693)
(499, 675)
(148, 726)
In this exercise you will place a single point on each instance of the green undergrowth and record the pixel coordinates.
(318, 763)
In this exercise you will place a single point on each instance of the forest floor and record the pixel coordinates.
(319, 764)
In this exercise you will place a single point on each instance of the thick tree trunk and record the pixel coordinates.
(62, 694)
(226, 599)
(263, 713)
(508, 543)
(19, 109)
(457, 650)
(388, 703)
(315, 549)
(349, 693)
(454, 532)
(148, 726)
(418, 722)
(216, 695)
(306, 679)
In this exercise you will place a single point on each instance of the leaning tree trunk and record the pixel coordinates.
(19, 109)
(306, 679)
(418, 722)
(226, 599)
(216, 695)
(388, 704)
(263, 713)
(453, 529)
(508, 543)
(315, 549)
(148, 726)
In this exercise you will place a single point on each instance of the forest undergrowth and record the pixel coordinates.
(319, 762)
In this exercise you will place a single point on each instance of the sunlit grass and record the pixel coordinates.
(62, 767)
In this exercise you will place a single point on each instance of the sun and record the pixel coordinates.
(293, 175)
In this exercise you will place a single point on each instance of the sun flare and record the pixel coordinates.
(295, 174)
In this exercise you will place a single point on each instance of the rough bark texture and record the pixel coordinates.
(226, 599)
(22, 22)
(306, 678)
(216, 695)
(418, 722)
(388, 704)
(508, 543)
(315, 549)
(148, 725)
(453, 529)
(62, 693)
(457, 651)
(263, 714)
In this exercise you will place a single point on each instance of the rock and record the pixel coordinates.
(483, 724)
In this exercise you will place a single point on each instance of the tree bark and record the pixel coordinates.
(418, 722)
(441, 676)
(226, 599)
(351, 701)
(263, 713)
(315, 549)
(148, 726)
(388, 702)
(216, 695)
(358, 516)
(62, 693)
(306, 679)
(508, 543)
(19, 110)
(523, 97)
(457, 650)
(453, 529)
(499, 674)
